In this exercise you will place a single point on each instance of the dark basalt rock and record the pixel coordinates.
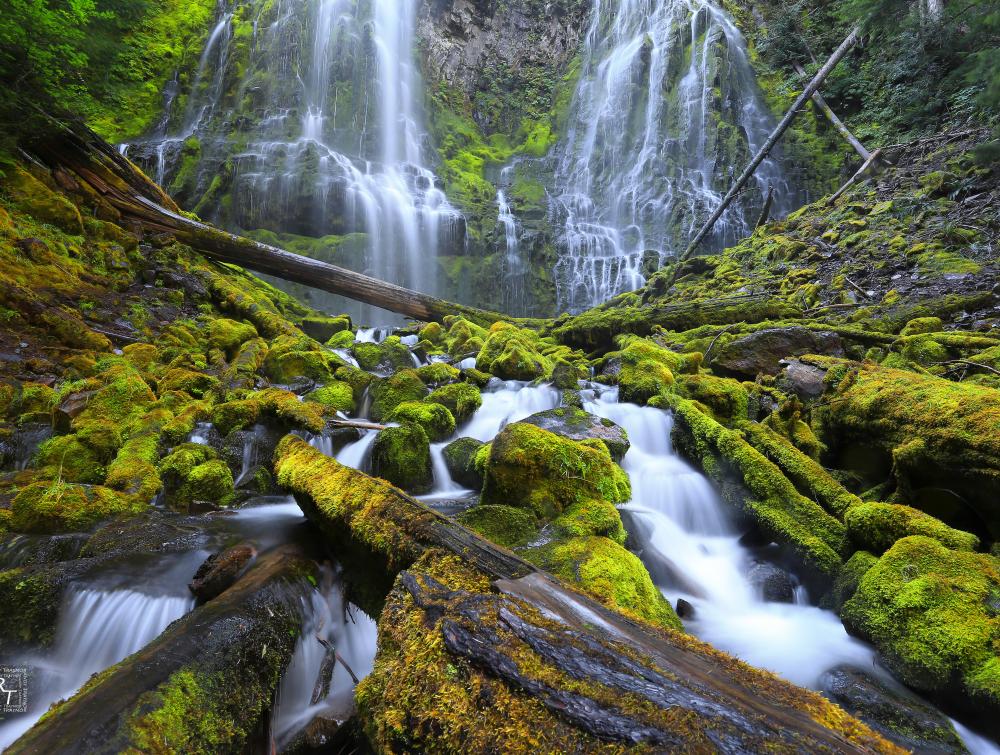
(762, 352)
(151, 532)
(577, 424)
(892, 710)
(220, 570)
(804, 380)
(774, 583)
(459, 456)
(684, 609)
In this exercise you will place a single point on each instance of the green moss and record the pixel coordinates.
(402, 456)
(921, 325)
(434, 418)
(193, 472)
(610, 573)
(342, 340)
(535, 469)
(334, 395)
(591, 517)
(211, 481)
(294, 356)
(876, 526)
(228, 335)
(65, 457)
(438, 373)
(31, 599)
(56, 506)
(512, 353)
(726, 397)
(388, 356)
(461, 399)
(36, 403)
(388, 393)
(324, 328)
(272, 402)
(462, 336)
(460, 458)
(931, 611)
(505, 525)
(848, 578)
(133, 470)
(195, 383)
(648, 370)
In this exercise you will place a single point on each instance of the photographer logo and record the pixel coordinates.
(13, 689)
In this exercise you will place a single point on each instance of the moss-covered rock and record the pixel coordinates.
(613, 575)
(435, 419)
(295, 356)
(848, 578)
(31, 598)
(388, 356)
(342, 340)
(460, 458)
(194, 383)
(575, 424)
(334, 395)
(461, 399)
(229, 335)
(648, 369)
(876, 526)
(512, 353)
(324, 328)
(57, 506)
(438, 373)
(402, 456)
(591, 517)
(505, 525)
(65, 457)
(932, 612)
(272, 403)
(532, 468)
(194, 472)
(388, 393)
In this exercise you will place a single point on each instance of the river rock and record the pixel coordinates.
(684, 609)
(774, 583)
(220, 570)
(892, 710)
(459, 457)
(762, 352)
(804, 380)
(576, 424)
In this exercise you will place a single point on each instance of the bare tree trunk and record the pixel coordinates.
(872, 159)
(780, 129)
(765, 211)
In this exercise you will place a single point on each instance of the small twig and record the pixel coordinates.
(857, 288)
(969, 363)
(717, 335)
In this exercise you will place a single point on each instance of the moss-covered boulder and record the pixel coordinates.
(438, 373)
(647, 369)
(591, 517)
(512, 353)
(271, 403)
(296, 356)
(229, 335)
(934, 614)
(461, 399)
(460, 458)
(334, 395)
(402, 455)
(31, 598)
(505, 525)
(388, 393)
(194, 472)
(609, 572)
(575, 424)
(532, 468)
(386, 357)
(324, 328)
(435, 419)
(876, 526)
(57, 506)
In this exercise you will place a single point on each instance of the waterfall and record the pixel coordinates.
(666, 111)
(508, 402)
(97, 628)
(513, 268)
(310, 119)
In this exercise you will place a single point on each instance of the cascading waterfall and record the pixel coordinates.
(97, 628)
(665, 112)
(334, 145)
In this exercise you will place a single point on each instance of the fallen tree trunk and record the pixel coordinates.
(114, 179)
(205, 685)
(479, 651)
(872, 159)
(780, 129)
(838, 124)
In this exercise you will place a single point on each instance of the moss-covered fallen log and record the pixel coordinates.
(481, 652)
(205, 685)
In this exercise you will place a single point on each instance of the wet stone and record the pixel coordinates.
(220, 570)
(774, 584)
(576, 424)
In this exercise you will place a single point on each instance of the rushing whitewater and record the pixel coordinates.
(665, 112)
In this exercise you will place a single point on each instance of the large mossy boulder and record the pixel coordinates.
(645, 369)
(435, 419)
(876, 526)
(460, 458)
(335, 395)
(402, 456)
(462, 399)
(388, 393)
(535, 469)
(194, 472)
(512, 353)
(505, 525)
(57, 506)
(296, 356)
(576, 424)
(934, 615)
(386, 357)
(761, 352)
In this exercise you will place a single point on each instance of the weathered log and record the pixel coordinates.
(121, 184)
(838, 124)
(872, 160)
(765, 211)
(480, 651)
(768, 145)
(219, 665)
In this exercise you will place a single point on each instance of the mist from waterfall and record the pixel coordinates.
(666, 112)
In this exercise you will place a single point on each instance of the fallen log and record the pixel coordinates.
(119, 183)
(479, 651)
(768, 145)
(838, 124)
(765, 211)
(872, 159)
(205, 685)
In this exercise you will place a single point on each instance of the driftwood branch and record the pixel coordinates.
(838, 124)
(780, 129)
(872, 159)
(359, 424)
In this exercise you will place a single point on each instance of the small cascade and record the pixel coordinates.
(251, 454)
(510, 401)
(357, 455)
(514, 270)
(200, 434)
(372, 335)
(444, 488)
(666, 104)
(691, 548)
(347, 629)
(97, 628)
(26, 442)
